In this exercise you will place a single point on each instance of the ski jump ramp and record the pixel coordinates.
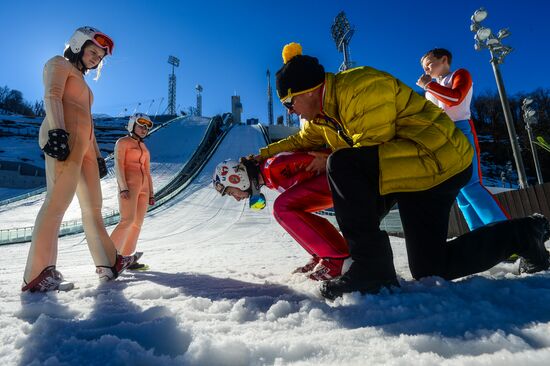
(171, 148)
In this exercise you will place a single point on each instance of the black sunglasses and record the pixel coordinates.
(289, 103)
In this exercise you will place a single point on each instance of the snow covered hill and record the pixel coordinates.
(219, 292)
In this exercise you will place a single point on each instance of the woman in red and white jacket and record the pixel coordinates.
(452, 92)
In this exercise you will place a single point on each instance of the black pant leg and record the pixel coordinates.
(481, 249)
(354, 181)
(425, 219)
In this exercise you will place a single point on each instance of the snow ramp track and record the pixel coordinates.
(172, 147)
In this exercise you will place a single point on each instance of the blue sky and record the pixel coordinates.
(226, 46)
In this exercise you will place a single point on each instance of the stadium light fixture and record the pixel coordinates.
(484, 38)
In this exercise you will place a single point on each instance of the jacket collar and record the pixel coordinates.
(328, 102)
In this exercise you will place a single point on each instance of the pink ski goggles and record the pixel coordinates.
(104, 41)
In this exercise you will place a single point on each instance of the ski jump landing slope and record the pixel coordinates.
(170, 147)
(219, 292)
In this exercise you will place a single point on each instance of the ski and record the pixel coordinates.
(65, 286)
(542, 143)
(138, 267)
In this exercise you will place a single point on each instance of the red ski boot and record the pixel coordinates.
(329, 268)
(106, 273)
(309, 266)
(49, 279)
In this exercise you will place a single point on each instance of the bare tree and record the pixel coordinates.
(38, 108)
(4, 91)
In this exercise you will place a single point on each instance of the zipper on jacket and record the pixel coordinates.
(140, 163)
(339, 130)
(337, 126)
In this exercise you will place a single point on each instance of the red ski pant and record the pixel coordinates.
(294, 210)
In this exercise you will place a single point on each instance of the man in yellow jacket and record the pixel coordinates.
(390, 145)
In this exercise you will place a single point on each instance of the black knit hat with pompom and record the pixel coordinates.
(300, 73)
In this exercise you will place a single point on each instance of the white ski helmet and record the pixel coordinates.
(83, 34)
(230, 173)
(141, 119)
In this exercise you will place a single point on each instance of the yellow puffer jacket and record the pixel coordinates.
(419, 146)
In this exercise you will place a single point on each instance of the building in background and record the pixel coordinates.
(236, 108)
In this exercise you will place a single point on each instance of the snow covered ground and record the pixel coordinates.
(219, 292)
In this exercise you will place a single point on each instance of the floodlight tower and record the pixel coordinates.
(342, 32)
(175, 62)
(269, 99)
(484, 38)
(198, 88)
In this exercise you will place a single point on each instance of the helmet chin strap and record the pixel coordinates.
(80, 65)
(256, 199)
(135, 136)
(253, 171)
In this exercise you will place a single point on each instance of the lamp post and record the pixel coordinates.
(530, 117)
(484, 38)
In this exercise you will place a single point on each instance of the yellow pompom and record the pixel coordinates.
(290, 50)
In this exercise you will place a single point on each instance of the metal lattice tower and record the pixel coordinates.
(175, 62)
(342, 32)
(269, 99)
(198, 88)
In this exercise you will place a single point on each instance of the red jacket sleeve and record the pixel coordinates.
(461, 84)
(285, 170)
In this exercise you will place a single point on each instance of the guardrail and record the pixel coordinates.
(212, 137)
(193, 171)
(265, 133)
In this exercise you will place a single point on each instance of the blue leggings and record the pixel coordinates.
(477, 204)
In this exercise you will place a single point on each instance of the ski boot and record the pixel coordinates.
(49, 279)
(355, 280)
(330, 268)
(309, 266)
(536, 258)
(107, 273)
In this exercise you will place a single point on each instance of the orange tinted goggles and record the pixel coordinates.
(104, 41)
(144, 122)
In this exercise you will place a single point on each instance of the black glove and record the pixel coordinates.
(102, 167)
(250, 157)
(58, 144)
